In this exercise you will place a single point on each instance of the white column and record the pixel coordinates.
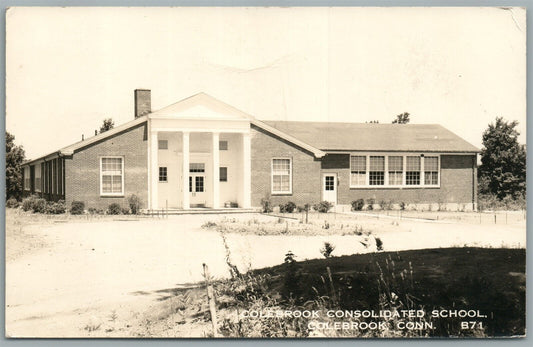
(216, 172)
(154, 171)
(185, 173)
(247, 172)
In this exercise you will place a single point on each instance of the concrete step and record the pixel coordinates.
(176, 211)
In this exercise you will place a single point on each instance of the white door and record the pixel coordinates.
(329, 187)
(197, 188)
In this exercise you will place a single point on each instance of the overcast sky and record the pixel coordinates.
(69, 68)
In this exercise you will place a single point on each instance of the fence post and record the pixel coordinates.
(211, 301)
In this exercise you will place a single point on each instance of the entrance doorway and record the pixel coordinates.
(329, 187)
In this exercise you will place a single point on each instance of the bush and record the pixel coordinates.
(34, 204)
(402, 205)
(114, 209)
(370, 204)
(77, 207)
(135, 203)
(357, 205)
(327, 249)
(94, 210)
(266, 205)
(287, 208)
(323, 206)
(125, 210)
(58, 207)
(12, 203)
(29, 202)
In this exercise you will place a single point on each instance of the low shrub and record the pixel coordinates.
(135, 203)
(385, 204)
(94, 210)
(287, 208)
(12, 203)
(125, 210)
(327, 249)
(114, 209)
(77, 207)
(57, 207)
(323, 206)
(357, 205)
(402, 205)
(29, 203)
(370, 204)
(266, 205)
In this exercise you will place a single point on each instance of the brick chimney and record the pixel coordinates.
(143, 102)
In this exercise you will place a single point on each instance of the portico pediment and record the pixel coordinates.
(201, 107)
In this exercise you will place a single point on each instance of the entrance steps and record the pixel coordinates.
(198, 210)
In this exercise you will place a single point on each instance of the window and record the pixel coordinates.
(27, 178)
(431, 171)
(329, 183)
(412, 172)
(38, 178)
(196, 167)
(395, 170)
(281, 176)
(162, 144)
(223, 145)
(111, 176)
(377, 171)
(358, 170)
(199, 180)
(163, 174)
(223, 174)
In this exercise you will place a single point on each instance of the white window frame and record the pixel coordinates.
(121, 193)
(422, 155)
(288, 192)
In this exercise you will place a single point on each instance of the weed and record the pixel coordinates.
(327, 249)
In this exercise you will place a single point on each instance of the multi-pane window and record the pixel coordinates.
(223, 145)
(199, 183)
(163, 174)
(329, 183)
(377, 171)
(281, 176)
(112, 172)
(162, 144)
(431, 170)
(196, 167)
(412, 171)
(223, 174)
(395, 170)
(358, 170)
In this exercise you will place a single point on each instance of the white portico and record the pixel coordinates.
(199, 155)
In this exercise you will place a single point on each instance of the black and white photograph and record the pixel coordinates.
(265, 172)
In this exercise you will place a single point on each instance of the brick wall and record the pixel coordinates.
(458, 183)
(305, 176)
(82, 170)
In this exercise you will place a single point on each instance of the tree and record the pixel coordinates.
(107, 125)
(503, 161)
(14, 158)
(402, 118)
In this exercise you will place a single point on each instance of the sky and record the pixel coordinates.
(69, 68)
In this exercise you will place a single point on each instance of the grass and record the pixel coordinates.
(489, 280)
(485, 279)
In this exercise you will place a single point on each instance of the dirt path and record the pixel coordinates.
(99, 276)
